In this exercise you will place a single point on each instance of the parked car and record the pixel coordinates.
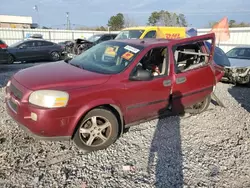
(115, 84)
(3, 45)
(4, 56)
(220, 57)
(238, 72)
(78, 46)
(34, 50)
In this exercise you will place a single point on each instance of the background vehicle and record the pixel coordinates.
(34, 50)
(156, 32)
(220, 57)
(239, 70)
(113, 85)
(3, 44)
(79, 45)
(4, 56)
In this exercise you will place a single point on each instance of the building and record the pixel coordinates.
(7, 21)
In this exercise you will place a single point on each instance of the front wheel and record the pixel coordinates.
(55, 56)
(200, 106)
(10, 59)
(98, 130)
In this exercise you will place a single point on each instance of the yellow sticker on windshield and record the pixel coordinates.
(127, 55)
(111, 51)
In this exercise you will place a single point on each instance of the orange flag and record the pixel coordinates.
(221, 30)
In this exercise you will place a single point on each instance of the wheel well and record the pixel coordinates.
(14, 58)
(114, 109)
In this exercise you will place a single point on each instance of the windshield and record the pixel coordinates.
(108, 57)
(239, 53)
(94, 38)
(16, 44)
(129, 34)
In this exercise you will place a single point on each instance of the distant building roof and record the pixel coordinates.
(16, 19)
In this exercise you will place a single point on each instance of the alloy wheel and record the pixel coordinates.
(95, 131)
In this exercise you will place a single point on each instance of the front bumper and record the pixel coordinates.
(51, 124)
(236, 75)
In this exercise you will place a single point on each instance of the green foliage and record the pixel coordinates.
(232, 23)
(166, 18)
(101, 28)
(116, 22)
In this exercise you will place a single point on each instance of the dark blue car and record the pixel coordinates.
(34, 50)
(220, 57)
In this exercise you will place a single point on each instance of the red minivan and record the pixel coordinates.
(92, 98)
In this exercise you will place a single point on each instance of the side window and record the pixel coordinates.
(106, 38)
(155, 61)
(46, 43)
(39, 43)
(190, 56)
(29, 44)
(150, 34)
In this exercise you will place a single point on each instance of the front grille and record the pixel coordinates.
(16, 92)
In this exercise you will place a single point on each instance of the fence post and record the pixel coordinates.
(49, 35)
(23, 34)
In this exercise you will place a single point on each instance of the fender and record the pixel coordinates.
(92, 104)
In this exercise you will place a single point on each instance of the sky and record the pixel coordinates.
(52, 13)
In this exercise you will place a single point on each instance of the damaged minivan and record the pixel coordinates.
(115, 84)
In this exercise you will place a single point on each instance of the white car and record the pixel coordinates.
(239, 70)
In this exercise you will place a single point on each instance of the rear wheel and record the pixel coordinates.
(200, 106)
(55, 56)
(98, 130)
(10, 59)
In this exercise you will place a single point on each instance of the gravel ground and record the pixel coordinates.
(207, 150)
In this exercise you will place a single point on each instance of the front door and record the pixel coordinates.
(194, 75)
(26, 51)
(147, 99)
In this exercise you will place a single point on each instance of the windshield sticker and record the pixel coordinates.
(132, 49)
(111, 51)
(127, 55)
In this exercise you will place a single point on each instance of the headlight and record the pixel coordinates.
(8, 84)
(49, 98)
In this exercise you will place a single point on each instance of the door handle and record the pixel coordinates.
(181, 80)
(166, 83)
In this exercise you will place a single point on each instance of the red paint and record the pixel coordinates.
(3, 46)
(88, 90)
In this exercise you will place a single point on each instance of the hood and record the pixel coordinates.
(58, 75)
(81, 41)
(239, 63)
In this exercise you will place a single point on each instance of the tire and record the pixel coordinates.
(10, 59)
(55, 56)
(200, 107)
(86, 132)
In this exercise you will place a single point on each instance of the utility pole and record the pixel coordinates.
(68, 21)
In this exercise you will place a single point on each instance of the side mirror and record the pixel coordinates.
(141, 75)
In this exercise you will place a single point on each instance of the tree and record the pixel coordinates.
(129, 21)
(232, 23)
(116, 22)
(101, 28)
(166, 18)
